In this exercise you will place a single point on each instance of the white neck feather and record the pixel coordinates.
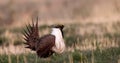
(59, 42)
(57, 32)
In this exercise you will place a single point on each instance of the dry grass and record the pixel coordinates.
(92, 30)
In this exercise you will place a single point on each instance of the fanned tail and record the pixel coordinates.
(31, 35)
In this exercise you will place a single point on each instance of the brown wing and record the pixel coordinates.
(44, 46)
(31, 35)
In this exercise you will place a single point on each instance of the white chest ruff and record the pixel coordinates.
(59, 42)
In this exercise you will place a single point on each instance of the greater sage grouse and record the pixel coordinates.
(46, 45)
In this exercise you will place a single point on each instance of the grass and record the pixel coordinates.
(86, 43)
(3, 41)
(105, 56)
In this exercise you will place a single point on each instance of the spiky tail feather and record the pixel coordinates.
(31, 35)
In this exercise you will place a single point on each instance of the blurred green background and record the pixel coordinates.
(92, 29)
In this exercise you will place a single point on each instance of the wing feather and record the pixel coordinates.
(31, 35)
(44, 47)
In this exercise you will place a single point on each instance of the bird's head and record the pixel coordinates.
(58, 26)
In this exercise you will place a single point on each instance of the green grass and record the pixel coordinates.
(110, 55)
(3, 41)
(73, 39)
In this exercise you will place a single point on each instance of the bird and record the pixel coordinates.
(44, 46)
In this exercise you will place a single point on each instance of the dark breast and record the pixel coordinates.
(44, 46)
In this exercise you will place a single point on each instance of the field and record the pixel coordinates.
(85, 43)
(91, 33)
